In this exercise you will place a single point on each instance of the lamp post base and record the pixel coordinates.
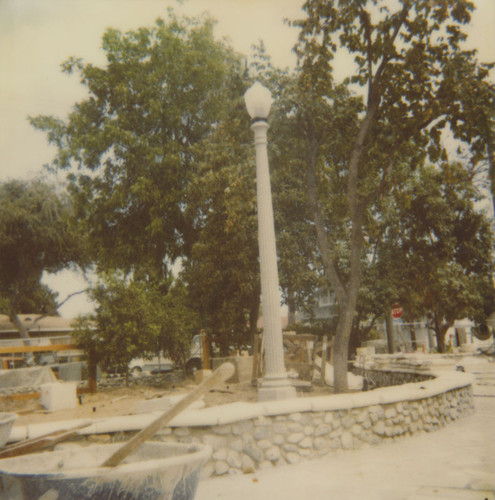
(273, 389)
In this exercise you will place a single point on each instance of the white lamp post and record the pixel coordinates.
(275, 384)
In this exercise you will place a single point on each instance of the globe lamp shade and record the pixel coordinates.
(258, 101)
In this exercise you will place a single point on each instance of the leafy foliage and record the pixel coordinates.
(418, 82)
(38, 233)
(129, 147)
(126, 320)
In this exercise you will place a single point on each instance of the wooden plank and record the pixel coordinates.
(40, 443)
(324, 357)
(21, 397)
(39, 348)
(256, 356)
(221, 374)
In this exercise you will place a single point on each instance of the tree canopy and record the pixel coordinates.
(129, 147)
(419, 81)
(38, 233)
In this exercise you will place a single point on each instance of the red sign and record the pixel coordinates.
(397, 312)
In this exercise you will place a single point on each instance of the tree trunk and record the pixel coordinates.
(343, 334)
(431, 340)
(291, 304)
(389, 323)
(16, 321)
(346, 295)
(440, 334)
(414, 343)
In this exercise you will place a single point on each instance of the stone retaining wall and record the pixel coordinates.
(249, 436)
(266, 441)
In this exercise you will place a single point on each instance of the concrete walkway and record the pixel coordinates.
(456, 462)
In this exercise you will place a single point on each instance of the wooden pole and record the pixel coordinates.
(206, 351)
(42, 442)
(221, 374)
(256, 357)
(324, 357)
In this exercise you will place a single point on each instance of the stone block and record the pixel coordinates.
(221, 468)
(280, 428)
(306, 419)
(222, 430)
(234, 459)
(322, 430)
(237, 445)
(309, 430)
(295, 437)
(254, 452)
(264, 444)
(272, 454)
(320, 443)
(261, 433)
(306, 442)
(290, 447)
(379, 428)
(348, 421)
(390, 413)
(247, 464)
(215, 442)
(356, 430)
(295, 427)
(328, 418)
(243, 426)
(347, 440)
(262, 421)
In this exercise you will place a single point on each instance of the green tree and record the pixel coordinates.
(179, 323)
(129, 148)
(222, 271)
(418, 80)
(38, 233)
(127, 321)
(134, 319)
(443, 248)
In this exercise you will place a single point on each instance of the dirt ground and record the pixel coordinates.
(118, 401)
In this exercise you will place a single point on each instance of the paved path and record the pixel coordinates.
(455, 462)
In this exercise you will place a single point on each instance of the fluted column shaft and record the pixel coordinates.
(275, 384)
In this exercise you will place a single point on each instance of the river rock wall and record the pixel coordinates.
(245, 437)
(267, 441)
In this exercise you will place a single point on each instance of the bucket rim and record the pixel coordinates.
(199, 455)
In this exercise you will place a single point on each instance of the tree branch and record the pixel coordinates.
(39, 318)
(324, 244)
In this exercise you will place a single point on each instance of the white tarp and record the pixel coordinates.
(26, 377)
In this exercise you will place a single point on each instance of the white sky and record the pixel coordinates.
(36, 36)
